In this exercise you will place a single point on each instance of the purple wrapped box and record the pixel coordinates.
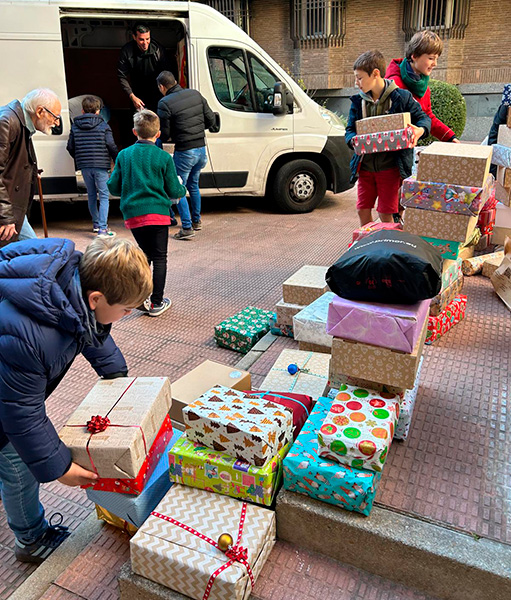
(383, 141)
(393, 326)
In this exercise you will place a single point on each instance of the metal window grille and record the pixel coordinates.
(449, 18)
(318, 23)
(235, 10)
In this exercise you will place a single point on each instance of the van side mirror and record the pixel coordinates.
(283, 100)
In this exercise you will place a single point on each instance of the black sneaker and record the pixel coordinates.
(184, 234)
(38, 551)
(173, 222)
(145, 306)
(157, 309)
(197, 226)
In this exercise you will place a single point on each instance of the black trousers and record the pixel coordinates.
(154, 239)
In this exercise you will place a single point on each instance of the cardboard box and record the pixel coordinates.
(466, 252)
(445, 297)
(501, 155)
(484, 242)
(181, 560)
(306, 285)
(492, 263)
(136, 408)
(134, 510)
(502, 215)
(286, 311)
(384, 141)
(501, 278)
(308, 347)
(388, 367)
(444, 226)
(457, 164)
(104, 514)
(504, 136)
(500, 234)
(311, 378)
(502, 193)
(406, 408)
(389, 122)
(445, 197)
(474, 265)
(242, 425)
(327, 480)
(244, 329)
(359, 428)
(393, 326)
(195, 465)
(508, 122)
(452, 315)
(199, 380)
(309, 325)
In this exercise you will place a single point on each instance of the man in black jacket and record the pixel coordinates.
(140, 62)
(500, 118)
(184, 117)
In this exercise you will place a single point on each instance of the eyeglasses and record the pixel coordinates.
(56, 117)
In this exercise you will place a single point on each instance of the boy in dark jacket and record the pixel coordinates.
(380, 174)
(55, 303)
(92, 146)
(499, 119)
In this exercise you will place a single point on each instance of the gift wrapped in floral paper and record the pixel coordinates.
(309, 325)
(501, 156)
(326, 480)
(198, 466)
(369, 228)
(242, 425)
(204, 545)
(383, 141)
(244, 329)
(450, 316)
(444, 197)
(359, 428)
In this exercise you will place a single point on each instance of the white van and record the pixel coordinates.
(293, 150)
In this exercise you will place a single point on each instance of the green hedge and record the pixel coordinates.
(449, 106)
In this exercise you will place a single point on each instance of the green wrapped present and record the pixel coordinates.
(244, 329)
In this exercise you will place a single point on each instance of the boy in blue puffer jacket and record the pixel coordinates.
(92, 146)
(55, 303)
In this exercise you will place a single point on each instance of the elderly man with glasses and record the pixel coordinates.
(38, 111)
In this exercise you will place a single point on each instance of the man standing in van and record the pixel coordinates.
(38, 111)
(184, 117)
(139, 64)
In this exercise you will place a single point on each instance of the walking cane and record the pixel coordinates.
(41, 201)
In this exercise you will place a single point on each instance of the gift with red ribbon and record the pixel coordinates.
(203, 545)
(113, 431)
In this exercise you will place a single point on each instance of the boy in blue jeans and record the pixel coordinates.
(92, 146)
(55, 303)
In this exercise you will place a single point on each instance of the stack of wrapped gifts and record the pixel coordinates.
(302, 288)
(384, 133)
(122, 432)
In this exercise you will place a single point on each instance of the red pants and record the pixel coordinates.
(383, 185)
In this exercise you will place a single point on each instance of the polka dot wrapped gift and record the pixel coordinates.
(359, 428)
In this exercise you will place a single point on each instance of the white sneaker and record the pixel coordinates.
(157, 309)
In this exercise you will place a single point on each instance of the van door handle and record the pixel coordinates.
(216, 127)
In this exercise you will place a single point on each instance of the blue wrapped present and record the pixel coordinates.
(136, 509)
(506, 95)
(307, 473)
(501, 156)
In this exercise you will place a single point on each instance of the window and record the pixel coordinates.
(230, 81)
(264, 84)
(235, 10)
(318, 23)
(447, 17)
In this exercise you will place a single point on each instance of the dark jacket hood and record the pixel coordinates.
(40, 278)
(88, 121)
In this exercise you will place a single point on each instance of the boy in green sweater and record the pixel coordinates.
(146, 180)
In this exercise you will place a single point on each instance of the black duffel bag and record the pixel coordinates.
(388, 266)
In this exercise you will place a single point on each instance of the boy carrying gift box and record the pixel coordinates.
(55, 303)
(380, 174)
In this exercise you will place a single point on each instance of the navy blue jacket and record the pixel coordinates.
(44, 325)
(91, 142)
(500, 118)
(401, 101)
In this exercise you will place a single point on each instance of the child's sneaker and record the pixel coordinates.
(95, 229)
(106, 233)
(145, 306)
(173, 222)
(157, 309)
(184, 234)
(197, 226)
(38, 551)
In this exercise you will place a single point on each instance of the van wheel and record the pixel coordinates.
(299, 186)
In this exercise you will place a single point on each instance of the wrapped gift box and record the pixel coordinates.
(325, 480)
(339, 380)
(383, 141)
(444, 197)
(445, 226)
(311, 378)
(501, 155)
(492, 263)
(305, 286)
(506, 98)
(277, 328)
(448, 249)
(185, 559)
(393, 326)
(474, 265)
(308, 347)
(200, 467)
(389, 122)
(453, 314)
(242, 425)
(486, 220)
(485, 241)
(309, 325)
(104, 514)
(500, 234)
(451, 270)
(366, 230)
(244, 329)
(359, 428)
(503, 192)
(456, 164)
(504, 136)
(406, 407)
(501, 277)
(199, 380)
(445, 297)
(134, 408)
(286, 311)
(389, 367)
(135, 509)
(502, 216)
(508, 121)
